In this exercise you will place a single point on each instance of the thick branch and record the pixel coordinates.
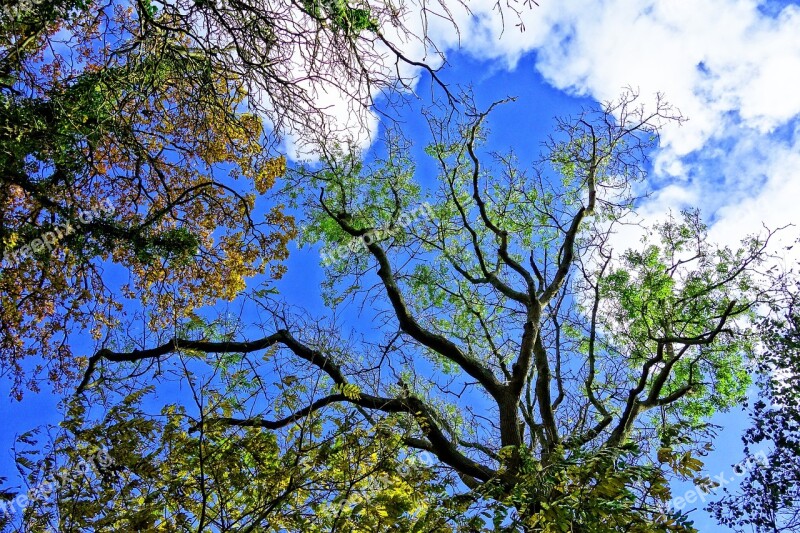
(543, 378)
(438, 443)
(567, 254)
(282, 336)
(409, 325)
(634, 406)
(442, 447)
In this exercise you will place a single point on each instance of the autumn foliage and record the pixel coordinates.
(102, 114)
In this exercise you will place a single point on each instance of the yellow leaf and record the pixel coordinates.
(272, 170)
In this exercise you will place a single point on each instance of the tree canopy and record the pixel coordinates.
(553, 379)
(134, 134)
(512, 365)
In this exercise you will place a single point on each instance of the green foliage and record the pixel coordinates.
(602, 491)
(680, 288)
(350, 20)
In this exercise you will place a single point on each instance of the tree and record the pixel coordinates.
(119, 159)
(132, 136)
(559, 381)
(768, 499)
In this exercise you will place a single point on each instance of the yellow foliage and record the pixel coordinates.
(349, 390)
(269, 172)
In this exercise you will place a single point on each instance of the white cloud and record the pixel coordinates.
(773, 200)
(728, 65)
(710, 57)
(345, 121)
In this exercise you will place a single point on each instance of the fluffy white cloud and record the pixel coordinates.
(730, 66)
(711, 57)
(773, 197)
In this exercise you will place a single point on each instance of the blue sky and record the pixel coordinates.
(731, 66)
